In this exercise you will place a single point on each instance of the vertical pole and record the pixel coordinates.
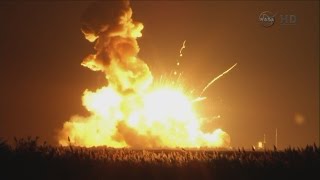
(277, 138)
(264, 141)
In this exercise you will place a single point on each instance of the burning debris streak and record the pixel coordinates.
(183, 46)
(131, 111)
(199, 99)
(180, 56)
(216, 78)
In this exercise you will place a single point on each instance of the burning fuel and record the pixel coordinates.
(132, 110)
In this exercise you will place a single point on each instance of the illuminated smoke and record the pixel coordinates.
(129, 112)
(111, 27)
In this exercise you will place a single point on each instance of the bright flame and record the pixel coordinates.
(164, 116)
(131, 111)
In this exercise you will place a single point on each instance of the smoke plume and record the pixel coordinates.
(125, 113)
(111, 27)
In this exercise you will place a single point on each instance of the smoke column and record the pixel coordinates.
(115, 34)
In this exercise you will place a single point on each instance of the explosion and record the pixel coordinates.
(132, 110)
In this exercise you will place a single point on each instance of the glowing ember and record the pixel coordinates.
(131, 111)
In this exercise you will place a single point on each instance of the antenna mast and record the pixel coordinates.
(276, 137)
(264, 141)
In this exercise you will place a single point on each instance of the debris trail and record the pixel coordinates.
(180, 55)
(183, 46)
(216, 78)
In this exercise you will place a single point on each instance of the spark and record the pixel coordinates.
(211, 118)
(180, 55)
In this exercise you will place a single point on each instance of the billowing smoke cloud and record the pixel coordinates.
(111, 27)
(125, 112)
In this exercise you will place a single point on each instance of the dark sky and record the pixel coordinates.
(275, 83)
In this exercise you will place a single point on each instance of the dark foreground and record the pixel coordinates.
(28, 160)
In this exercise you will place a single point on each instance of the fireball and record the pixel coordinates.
(132, 111)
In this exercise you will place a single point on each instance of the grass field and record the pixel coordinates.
(26, 159)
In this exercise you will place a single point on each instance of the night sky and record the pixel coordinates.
(274, 85)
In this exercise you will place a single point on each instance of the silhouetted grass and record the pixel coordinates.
(29, 160)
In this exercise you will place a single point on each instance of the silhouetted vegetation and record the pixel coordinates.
(27, 159)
